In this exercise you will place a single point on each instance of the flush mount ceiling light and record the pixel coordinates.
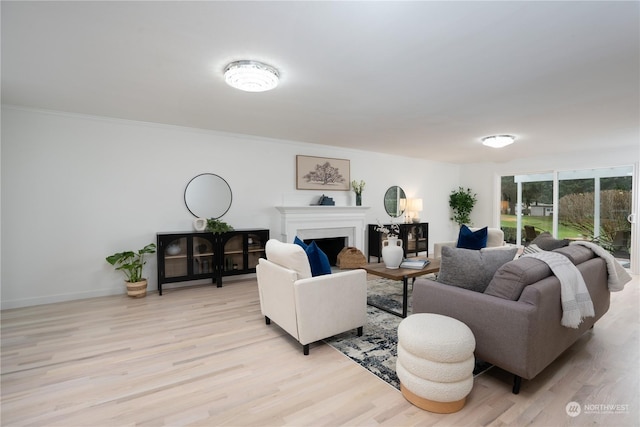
(251, 76)
(498, 141)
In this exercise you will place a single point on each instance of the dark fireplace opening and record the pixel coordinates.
(330, 246)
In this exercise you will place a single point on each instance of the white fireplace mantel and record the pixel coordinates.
(315, 222)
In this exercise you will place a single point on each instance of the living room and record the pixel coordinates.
(78, 185)
(96, 184)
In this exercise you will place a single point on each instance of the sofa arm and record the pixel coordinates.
(495, 238)
(277, 301)
(437, 248)
(331, 304)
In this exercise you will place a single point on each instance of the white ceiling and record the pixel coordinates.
(423, 79)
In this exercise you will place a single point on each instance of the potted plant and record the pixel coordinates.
(217, 226)
(462, 202)
(131, 264)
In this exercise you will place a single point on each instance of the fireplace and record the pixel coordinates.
(345, 223)
(330, 246)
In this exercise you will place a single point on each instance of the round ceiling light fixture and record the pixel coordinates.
(251, 76)
(498, 141)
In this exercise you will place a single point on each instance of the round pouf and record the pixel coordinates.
(435, 362)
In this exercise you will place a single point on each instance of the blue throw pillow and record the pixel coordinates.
(318, 260)
(468, 239)
(300, 243)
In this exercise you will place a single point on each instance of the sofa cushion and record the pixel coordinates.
(288, 256)
(471, 269)
(468, 239)
(547, 242)
(511, 278)
(318, 260)
(576, 253)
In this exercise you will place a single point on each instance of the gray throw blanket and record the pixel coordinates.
(617, 275)
(576, 301)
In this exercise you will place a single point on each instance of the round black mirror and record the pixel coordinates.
(395, 201)
(207, 196)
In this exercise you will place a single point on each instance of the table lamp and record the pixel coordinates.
(416, 208)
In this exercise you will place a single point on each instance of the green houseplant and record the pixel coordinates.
(217, 226)
(462, 202)
(131, 264)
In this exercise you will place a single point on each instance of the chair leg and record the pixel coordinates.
(360, 331)
(517, 380)
(305, 349)
(267, 320)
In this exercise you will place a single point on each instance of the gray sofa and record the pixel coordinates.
(519, 330)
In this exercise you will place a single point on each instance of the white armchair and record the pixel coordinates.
(309, 308)
(495, 239)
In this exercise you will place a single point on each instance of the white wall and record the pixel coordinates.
(483, 178)
(78, 188)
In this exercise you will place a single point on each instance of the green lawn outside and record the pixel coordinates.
(541, 223)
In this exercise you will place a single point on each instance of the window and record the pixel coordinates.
(577, 204)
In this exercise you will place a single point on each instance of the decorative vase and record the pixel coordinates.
(392, 252)
(358, 199)
(200, 224)
(137, 289)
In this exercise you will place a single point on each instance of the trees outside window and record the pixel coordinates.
(591, 204)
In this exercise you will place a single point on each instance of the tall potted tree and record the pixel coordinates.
(462, 202)
(131, 264)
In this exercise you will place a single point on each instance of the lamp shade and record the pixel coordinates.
(251, 76)
(414, 206)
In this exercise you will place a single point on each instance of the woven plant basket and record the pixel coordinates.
(137, 289)
(350, 257)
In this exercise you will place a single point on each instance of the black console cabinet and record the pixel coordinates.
(415, 239)
(203, 255)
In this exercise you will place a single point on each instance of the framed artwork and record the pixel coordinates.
(322, 173)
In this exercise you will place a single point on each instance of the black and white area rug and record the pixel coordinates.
(376, 349)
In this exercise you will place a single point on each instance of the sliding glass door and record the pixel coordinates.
(576, 206)
(596, 204)
(526, 206)
(590, 204)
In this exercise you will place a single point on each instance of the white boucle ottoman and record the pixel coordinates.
(435, 362)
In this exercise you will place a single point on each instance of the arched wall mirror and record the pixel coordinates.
(395, 201)
(208, 196)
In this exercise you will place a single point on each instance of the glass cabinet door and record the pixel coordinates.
(203, 256)
(175, 258)
(412, 239)
(233, 253)
(255, 249)
(417, 238)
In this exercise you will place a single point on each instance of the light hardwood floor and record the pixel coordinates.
(203, 356)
